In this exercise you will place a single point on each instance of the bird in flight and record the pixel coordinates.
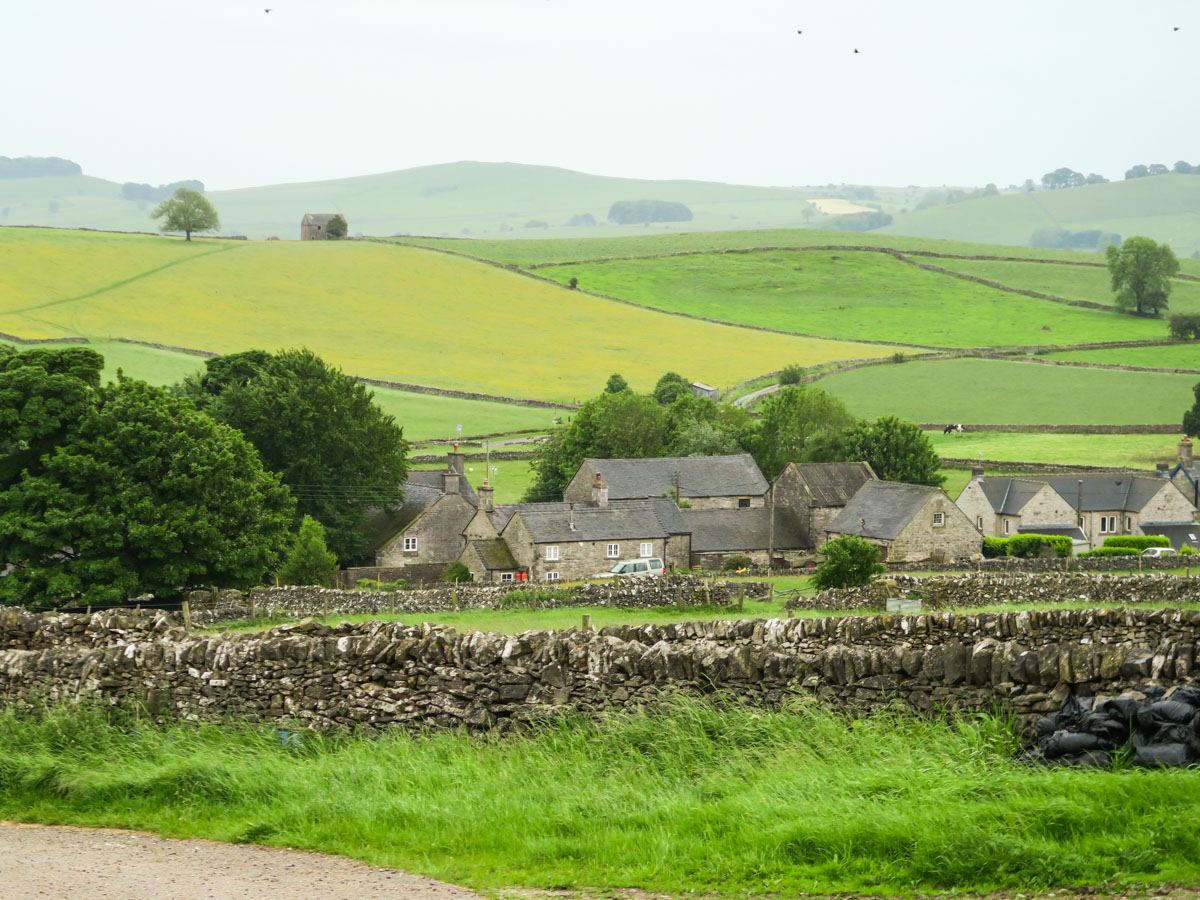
(798, 31)
(266, 10)
(855, 49)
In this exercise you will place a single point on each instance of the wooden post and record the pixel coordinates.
(253, 609)
(679, 596)
(392, 603)
(791, 614)
(587, 622)
(187, 616)
(454, 596)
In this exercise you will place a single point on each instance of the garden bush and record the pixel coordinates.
(1029, 546)
(849, 562)
(737, 562)
(370, 584)
(535, 596)
(994, 548)
(791, 374)
(458, 572)
(1138, 542)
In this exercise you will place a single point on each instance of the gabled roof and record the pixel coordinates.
(699, 476)
(425, 486)
(728, 530)
(318, 218)
(571, 522)
(494, 554)
(881, 509)
(1179, 533)
(1120, 491)
(1008, 495)
(833, 484)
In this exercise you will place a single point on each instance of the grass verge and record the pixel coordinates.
(735, 801)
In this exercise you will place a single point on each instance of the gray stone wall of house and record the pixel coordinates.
(678, 552)
(582, 559)
(438, 531)
(791, 493)
(754, 500)
(921, 539)
(377, 675)
(520, 543)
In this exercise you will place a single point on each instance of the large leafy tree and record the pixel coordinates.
(308, 561)
(1141, 273)
(319, 429)
(186, 211)
(849, 561)
(897, 450)
(800, 424)
(141, 493)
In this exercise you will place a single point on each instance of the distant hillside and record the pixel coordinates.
(1165, 207)
(456, 199)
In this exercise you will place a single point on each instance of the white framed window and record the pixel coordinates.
(613, 551)
(410, 545)
(1108, 524)
(552, 552)
(1006, 525)
(1128, 524)
(979, 522)
(506, 576)
(554, 576)
(647, 549)
(939, 519)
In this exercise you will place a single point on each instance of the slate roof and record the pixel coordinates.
(881, 509)
(833, 484)
(317, 218)
(699, 476)
(728, 530)
(1074, 532)
(422, 487)
(615, 522)
(1179, 533)
(1126, 492)
(494, 554)
(1008, 495)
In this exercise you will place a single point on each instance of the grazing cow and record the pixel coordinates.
(952, 429)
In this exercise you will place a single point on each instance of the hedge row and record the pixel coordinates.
(1026, 546)
(1138, 543)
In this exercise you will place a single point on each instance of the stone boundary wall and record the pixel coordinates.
(1071, 564)
(1063, 429)
(988, 589)
(64, 340)
(1009, 465)
(378, 675)
(222, 606)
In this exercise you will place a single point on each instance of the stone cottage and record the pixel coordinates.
(1003, 505)
(816, 492)
(315, 226)
(908, 522)
(705, 482)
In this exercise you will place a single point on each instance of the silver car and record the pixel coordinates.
(635, 568)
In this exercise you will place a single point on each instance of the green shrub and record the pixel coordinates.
(535, 596)
(370, 584)
(791, 374)
(849, 562)
(994, 548)
(1111, 551)
(1188, 550)
(1029, 546)
(1136, 542)
(458, 572)
(737, 562)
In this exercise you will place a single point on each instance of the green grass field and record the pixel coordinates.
(1184, 355)
(1139, 451)
(687, 799)
(1016, 393)
(510, 480)
(382, 311)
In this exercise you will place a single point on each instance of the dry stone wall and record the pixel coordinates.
(384, 675)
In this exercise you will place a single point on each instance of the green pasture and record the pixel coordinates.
(530, 252)
(382, 311)
(510, 480)
(1011, 392)
(852, 295)
(1182, 355)
(1071, 282)
(1138, 451)
(689, 798)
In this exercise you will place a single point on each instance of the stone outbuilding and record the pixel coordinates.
(315, 226)
(908, 522)
(718, 534)
(816, 492)
(705, 482)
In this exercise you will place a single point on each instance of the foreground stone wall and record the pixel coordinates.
(382, 675)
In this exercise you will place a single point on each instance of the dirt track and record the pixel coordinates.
(37, 863)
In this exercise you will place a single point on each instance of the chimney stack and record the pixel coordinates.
(1185, 451)
(1164, 469)
(485, 491)
(599, 492)
(977, 472)
(455, 461)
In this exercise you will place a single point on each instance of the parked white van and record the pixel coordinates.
(635, 568)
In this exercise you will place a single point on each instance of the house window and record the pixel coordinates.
(939, 519)
(1006, 526)
(1108, 524)
(743, 502)
(1128, 524)
(614, 551)
(554, 576)
(647, 549)
(410, 545)
(506, 576)
(552, 553)
(979, 522)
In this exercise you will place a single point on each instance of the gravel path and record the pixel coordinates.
(37, 863)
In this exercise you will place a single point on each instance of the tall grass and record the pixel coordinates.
(737, 801)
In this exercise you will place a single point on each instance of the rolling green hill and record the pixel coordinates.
(1164, 207)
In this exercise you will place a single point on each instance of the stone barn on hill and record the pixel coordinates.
(314, 226)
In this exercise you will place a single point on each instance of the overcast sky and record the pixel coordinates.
(955, 92)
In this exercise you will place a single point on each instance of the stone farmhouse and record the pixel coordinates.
(315, 226)
(1087, 506)
(908, 522)
(614, 510)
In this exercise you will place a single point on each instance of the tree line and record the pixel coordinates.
(801, 423)
(108, 490)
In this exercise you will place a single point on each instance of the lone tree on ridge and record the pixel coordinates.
(186, 211)
(1141, 273)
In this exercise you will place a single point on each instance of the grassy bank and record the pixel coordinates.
(735, 801)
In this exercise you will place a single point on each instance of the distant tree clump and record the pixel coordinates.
(1140, 171)
(1062, 239)
(637, 212)
(1062, 178)
(1184, 326)
(669, 387)
(151, 194)
(897, 451)
(800, 424)
(615, 384)
(581, 219)
(1141, 273)
(337, 227)
(861, 221)
(186, 211)
(37, 167)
